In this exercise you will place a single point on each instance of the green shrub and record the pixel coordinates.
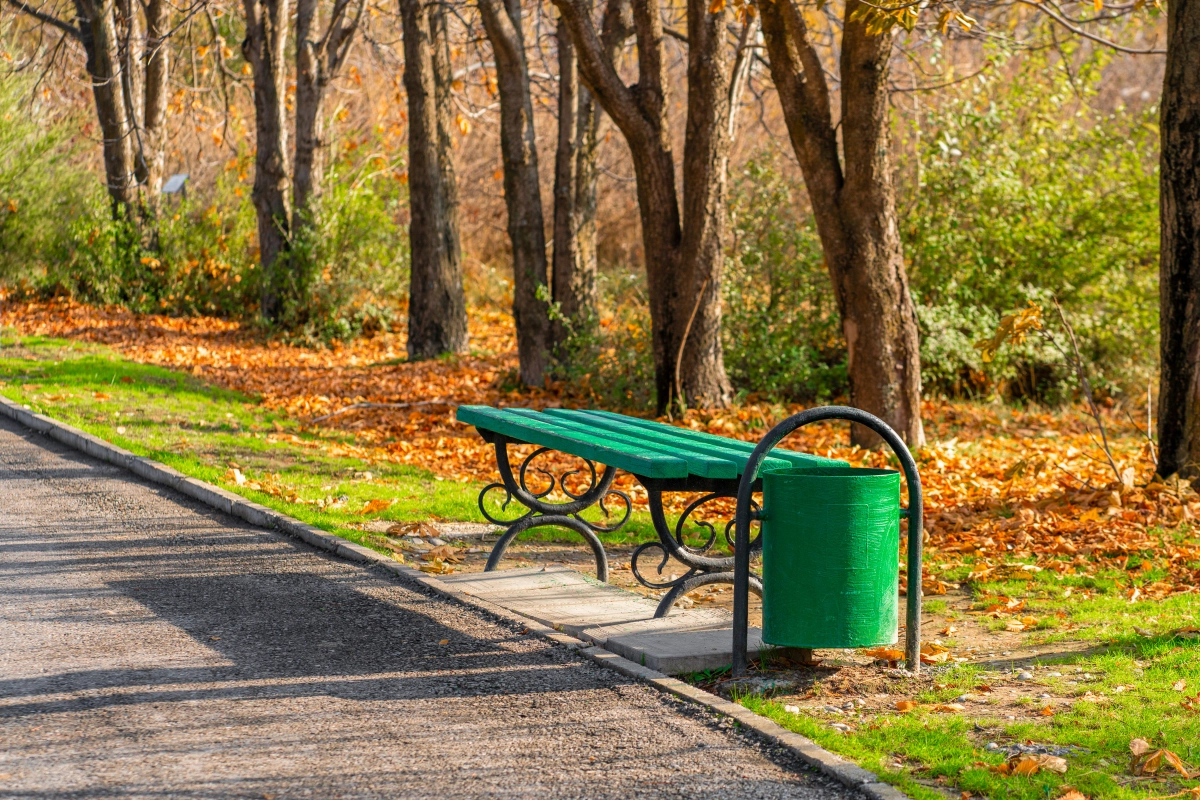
(349, 270)
(782, 334)
(40, 178)
(1021, 190)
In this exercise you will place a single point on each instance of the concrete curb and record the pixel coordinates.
(806, 750)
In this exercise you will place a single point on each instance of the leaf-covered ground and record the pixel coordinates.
(1037, 552)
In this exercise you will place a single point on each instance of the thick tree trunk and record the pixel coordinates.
(855, 208)
(522, 195)
(437, 319)
(98, 32)
(705, 171)
(265, 49)
(683, 264)
(1179, 265)
(573, 273)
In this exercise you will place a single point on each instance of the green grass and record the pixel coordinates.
(202, 430)
(916, 749)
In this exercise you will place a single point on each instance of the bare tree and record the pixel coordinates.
(683, 252)
(320, 56)
(522, 193)
(854, 203)
(437, 317)
(1179, 267)
(265, 49)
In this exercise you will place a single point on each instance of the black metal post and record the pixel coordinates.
(741, 576)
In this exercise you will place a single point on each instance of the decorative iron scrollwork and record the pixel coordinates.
(543, 512)
(702, 568)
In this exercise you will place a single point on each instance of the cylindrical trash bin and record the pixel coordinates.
(831, 538)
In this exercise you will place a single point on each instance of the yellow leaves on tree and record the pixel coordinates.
(1013, 328)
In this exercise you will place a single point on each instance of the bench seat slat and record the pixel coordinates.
(638, 460)
(792, 457)
(705, 462)
(670, 438)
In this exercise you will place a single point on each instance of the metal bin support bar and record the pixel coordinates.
(741, 577)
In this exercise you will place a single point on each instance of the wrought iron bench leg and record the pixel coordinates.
(546, 514)
(702, 569)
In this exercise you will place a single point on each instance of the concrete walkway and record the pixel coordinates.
(150, 647)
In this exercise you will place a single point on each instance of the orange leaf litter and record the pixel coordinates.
(999, 483)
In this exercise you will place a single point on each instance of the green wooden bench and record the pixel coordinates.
(663, 459)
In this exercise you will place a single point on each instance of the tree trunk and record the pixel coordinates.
(573, 273)
(1179, 265)
(132, 36)
(100, 38)
(683, 264)
(437, 319)
(522, 194)
(854, 205)
(158, 70)
(455, 307)
(309, 166)
(701, 377)
(265, 49)
(319, 58)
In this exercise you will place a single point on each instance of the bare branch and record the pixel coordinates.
(49, 19)
(1091, 36)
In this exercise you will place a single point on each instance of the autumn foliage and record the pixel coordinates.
(1001, 485)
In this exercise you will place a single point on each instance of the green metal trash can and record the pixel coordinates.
(831, 539)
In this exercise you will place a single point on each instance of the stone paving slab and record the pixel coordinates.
(616, 619)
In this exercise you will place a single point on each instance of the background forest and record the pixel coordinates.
(1025, 166)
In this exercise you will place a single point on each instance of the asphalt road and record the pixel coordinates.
(151, 647)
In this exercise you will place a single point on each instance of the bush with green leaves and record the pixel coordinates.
(41, 180)
(348, 271)
(782, 335)
(1021, 190)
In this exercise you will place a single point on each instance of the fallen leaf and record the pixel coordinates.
(101, 396)
(1139, 747)
(1053, 764)
(421, 530)
(377, 505)
(1030, 765)
(444, 553)
(885, 654)
(444, 641)
(1046, 711)
(1026, 766)
(1179, 685)
(949, 708)
(436, 567)
(905, 705)
(1072, 794)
